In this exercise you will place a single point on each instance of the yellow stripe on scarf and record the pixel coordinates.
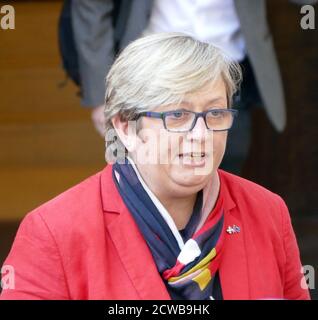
(203, 278)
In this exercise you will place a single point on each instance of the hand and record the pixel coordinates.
(99, 119)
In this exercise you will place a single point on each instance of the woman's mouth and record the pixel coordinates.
(196, 159)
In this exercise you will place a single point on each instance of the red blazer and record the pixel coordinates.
(84, 244)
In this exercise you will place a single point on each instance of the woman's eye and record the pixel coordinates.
(216, 114)
(178, 114)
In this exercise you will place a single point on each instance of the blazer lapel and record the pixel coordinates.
(132, 248)
(234, 264)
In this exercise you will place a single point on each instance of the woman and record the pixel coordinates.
(162, 221)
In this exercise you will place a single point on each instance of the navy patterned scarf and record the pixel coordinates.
(190, 272)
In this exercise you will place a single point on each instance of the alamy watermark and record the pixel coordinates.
(7, 277)
(7, 17)
(308, 19)
(308, 281)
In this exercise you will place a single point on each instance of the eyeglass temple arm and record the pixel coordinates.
(152, 114)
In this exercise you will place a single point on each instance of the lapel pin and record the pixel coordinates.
(233, 229)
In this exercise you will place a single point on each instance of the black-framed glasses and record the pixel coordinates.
(183, 120)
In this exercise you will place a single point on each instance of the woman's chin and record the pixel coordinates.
(189, 179)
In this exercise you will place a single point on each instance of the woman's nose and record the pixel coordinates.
(199, 130)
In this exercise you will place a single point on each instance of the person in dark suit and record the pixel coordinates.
(238, 27)
(162, 214)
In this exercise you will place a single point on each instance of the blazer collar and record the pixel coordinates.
(111, 199)
(229, 203)
(234, 265)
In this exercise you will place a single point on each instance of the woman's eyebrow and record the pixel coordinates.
(212, 101)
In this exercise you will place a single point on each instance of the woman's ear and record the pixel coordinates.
(126, 131)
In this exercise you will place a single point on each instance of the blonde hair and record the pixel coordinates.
(159, 69)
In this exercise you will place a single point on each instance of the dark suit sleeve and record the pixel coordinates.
(93, 33)
(35, 264)
(295, 287)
